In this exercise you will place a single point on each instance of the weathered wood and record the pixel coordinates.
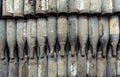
(41, 35)
(62, 6)
(72, 32)
(11, 36)
(18, 8)
(21, 37)
(104, 33)
(32, 68)
(29, 7)
(95, 6)
(41, 6)
(84, 6)
(73, 6)
(101, 64)
(93, 33)
(91, 64)
(2, 38)
(116, 5)
(51, 33)
(51, 6)
(7, 9)
(111, 64)
(83, 33)
(13, 68)
(107, 6)
(114, 33)
(31, 37)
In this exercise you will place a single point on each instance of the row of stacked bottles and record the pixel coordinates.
(73, 46)
(59, 38)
